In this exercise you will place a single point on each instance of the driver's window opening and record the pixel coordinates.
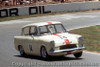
(43, 30)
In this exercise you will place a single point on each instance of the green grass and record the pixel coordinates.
(91, 37)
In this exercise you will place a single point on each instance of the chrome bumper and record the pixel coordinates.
(66, 50)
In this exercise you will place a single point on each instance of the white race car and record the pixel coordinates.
(48, 39)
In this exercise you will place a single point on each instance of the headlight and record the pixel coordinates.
(81, 41)
(52, 43)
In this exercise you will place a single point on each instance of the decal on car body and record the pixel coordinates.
(30, 47)
(63, 37)
(49, 22)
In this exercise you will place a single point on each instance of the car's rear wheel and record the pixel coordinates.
(21, 50)
(77, 55)
(44, 54)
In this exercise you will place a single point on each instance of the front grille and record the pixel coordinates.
(68, 46)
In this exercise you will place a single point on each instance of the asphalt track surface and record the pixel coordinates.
(9, 57)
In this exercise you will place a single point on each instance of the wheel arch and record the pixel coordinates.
(19, 46)
(43, 45)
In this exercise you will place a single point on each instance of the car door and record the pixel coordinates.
(31, 40)
(27, 40)
(33, 43)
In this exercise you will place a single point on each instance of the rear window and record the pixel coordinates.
(26, 31)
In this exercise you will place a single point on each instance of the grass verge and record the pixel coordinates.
(91, 37)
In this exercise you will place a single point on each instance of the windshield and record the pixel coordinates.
(51, 29)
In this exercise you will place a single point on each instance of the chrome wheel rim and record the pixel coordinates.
(44, 53)
(21, 51)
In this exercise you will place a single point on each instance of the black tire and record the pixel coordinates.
(77, 55)
(44, 54)
(21, 50)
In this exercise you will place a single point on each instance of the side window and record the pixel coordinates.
(26, 31)
(33, 31)
(43, 29)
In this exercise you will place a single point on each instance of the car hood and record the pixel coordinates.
(61, 39)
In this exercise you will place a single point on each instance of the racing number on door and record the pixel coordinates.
(30, 47)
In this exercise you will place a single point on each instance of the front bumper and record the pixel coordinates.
(64, 51)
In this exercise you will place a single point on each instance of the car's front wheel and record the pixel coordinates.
(44, 54)
(77, 55)
(21, 50)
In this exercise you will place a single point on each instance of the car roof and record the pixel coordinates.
(42, 23)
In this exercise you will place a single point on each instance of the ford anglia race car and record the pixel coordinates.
(48, 39)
